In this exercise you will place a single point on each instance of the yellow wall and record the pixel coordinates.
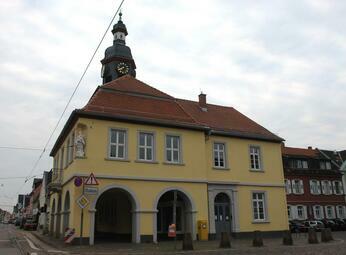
(196, 167)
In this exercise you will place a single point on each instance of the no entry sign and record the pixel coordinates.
(78, 181)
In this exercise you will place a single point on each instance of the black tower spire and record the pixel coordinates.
(118, 60)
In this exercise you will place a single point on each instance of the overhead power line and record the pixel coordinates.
(73, 93)
(19, 148)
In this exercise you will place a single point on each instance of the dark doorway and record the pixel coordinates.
(113, 218)
(222, 214)
(165, 215)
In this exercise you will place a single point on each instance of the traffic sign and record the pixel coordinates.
(78, 181)
(91, 190)
(82, 201)
(91, 180)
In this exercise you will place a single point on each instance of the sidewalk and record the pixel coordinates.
(239, 246)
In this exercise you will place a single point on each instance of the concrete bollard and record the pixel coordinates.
(287, 238)
(326, 235)
(312, 236)
(225, 241)
(257, 240)
(187, 242)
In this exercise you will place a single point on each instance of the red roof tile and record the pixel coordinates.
(130, 97)
(299, 152)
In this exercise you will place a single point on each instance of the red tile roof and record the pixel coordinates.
(129, 99)
(299, 152)
(128, 96)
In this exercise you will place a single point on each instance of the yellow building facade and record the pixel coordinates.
(160, 160)
(134, 187)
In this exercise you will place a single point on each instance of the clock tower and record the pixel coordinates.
(118, 59)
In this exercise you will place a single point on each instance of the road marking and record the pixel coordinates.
(56, 251)
(33, 253)
(31, 244)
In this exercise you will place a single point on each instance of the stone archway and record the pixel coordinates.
(66, 213)
(114, 216)
(185, 213)
(52, 219)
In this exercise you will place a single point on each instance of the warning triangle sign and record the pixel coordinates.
(91, 180)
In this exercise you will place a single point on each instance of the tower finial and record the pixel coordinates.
(120, 14)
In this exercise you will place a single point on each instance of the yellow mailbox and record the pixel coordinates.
(202, 230)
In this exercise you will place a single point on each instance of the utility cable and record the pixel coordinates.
(73, 93)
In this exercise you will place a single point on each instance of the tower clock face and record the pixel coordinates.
(122, 68)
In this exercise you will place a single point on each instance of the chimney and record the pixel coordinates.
(202, 101)
(310, 148)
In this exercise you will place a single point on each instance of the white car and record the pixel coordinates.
(316, 224)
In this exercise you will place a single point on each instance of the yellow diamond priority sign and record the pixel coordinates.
(82, 201)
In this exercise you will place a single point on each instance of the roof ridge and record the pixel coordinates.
(223, 106)
(197, 122)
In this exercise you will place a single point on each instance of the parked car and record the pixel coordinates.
(297, 227)
(30, 225)
(330, 224)
(316, 224)
(341, 224)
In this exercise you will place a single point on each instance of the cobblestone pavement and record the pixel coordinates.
(239, 246)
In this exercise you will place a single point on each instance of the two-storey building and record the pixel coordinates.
(160, 159)
(313, 184)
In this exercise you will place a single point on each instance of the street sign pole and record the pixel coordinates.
(175, 216)
(81, 221)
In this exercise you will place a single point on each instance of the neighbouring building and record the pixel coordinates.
(44, 202)
(313, 183)
(151, 153)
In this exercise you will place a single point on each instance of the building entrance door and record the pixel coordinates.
(222, 214)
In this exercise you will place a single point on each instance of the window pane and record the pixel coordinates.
(141, 139)
(121, 137)
(113, 136)
(149, 154)
(141, 153)
(175, 142)
(175, 156)
(149, 140)
(168, 141)
(113, 151)
(120, 151)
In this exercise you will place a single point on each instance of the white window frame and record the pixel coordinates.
(146, 146)
(340, 188)
(304, 212)
(300, 187)
(256, 206)
(321, 212)
(256, 158)
(327, 188)
(288, 186)
(172, 149)
(117, 144)
(343, 214)
(219, 152)
(333, 211)
(315, 187)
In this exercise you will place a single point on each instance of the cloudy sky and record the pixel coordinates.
(282, 63)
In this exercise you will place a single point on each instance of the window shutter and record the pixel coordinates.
(334, 190)
(322, 212)
(319, 187)
(289, 186)
(311, 187)
(341, 188)
(294, 186)
(330, 188)
(305, 212)
(301, 186)
(323, 187)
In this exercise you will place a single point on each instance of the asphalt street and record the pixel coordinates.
(8, 240)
